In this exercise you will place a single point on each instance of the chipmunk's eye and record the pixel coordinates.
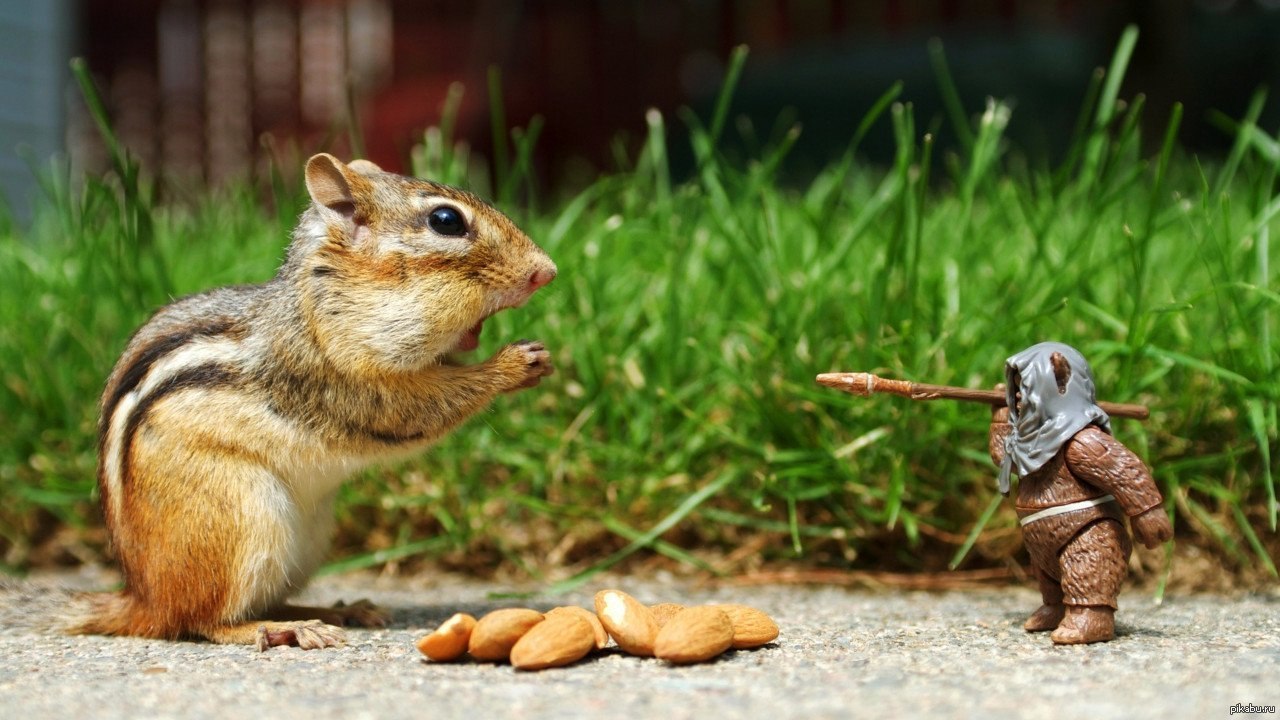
(448, 221)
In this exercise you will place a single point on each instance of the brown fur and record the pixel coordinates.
(1080, 558)
(232, 416)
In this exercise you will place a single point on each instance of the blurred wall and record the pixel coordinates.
(33, 55)
(207, 89)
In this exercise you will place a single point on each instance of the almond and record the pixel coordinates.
(662, 612)
(561, 639)
(630, 623)
(694, 634)
(751, 627)
(448, 641)
(496, 633)
(601, 637)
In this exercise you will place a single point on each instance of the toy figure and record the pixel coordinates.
(1076, 484)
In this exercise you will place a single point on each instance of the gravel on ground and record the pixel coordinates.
(841, 654)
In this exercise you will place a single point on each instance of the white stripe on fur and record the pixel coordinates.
(198, 351)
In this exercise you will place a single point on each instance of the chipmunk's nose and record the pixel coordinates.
(541, 277)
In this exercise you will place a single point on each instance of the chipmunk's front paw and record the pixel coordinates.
(526, 362)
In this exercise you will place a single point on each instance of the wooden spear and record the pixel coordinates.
(865, 384)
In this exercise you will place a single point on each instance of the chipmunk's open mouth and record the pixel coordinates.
(471, 338)
(507, 300)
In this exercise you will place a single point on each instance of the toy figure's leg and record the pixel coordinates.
(1050, 613)
(1093, 566)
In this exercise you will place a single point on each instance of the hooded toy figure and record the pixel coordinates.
(1076, 484)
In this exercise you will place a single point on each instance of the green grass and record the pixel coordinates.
(690, 318)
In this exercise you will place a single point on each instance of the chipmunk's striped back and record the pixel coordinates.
(182, 348)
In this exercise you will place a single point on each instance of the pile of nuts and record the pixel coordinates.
(531, 640)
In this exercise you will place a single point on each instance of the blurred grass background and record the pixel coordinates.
(689, 320)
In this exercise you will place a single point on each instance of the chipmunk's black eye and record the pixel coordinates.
(448, 221)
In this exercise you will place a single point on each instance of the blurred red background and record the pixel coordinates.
(194, 86)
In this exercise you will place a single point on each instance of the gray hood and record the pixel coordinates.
(1049, 418)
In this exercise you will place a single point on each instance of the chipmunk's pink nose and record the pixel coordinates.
(541, 277)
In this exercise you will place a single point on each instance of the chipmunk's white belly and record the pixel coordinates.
(308, 475)
(289, 546)
(291, 498)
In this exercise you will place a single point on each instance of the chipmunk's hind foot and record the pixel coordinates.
(305, 634)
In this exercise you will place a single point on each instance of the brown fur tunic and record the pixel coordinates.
(1083, 552)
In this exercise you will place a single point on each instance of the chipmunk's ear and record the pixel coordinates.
(328, 185)
(364, 167)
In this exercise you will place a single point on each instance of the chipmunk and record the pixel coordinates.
(234, 415)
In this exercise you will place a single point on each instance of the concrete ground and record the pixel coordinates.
(841, 654)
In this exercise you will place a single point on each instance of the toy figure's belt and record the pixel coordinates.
(1069, 507)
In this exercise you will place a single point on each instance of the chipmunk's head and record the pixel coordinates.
(401, 271)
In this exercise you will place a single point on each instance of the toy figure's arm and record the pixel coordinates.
(1102, 461)
(1000, 429)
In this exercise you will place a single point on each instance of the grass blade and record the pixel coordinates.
(736, 62)
(950, 96)
(688, 505)
(498, 131)
(1095, 147)
(976, 531)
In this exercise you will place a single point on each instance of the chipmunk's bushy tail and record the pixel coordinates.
(113, 614)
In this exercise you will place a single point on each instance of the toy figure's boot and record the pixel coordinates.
(1046, 618)
(1051, 612)
(1086, 624)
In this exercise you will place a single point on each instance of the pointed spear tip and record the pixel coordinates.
(857, 383)
(833, 380)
